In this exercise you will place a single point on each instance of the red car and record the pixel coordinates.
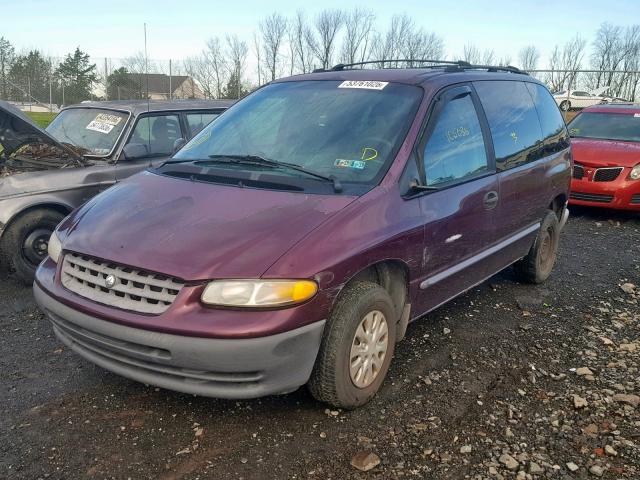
(605, 141)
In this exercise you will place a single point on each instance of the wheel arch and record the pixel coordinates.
(393, 275)
(557, 204)
(45, 205)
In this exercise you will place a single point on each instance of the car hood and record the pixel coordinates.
(16, 130)
(605, 153)
(195, 231)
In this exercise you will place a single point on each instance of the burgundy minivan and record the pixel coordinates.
(293, 239)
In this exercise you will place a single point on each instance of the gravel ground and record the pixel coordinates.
(508, 381)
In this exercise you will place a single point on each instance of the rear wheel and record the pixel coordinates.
(357, 347)
(25, 242)
(565, 105)
(539, 262)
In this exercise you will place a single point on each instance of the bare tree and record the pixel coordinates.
(327, 25)
(528, 57)
(504, 61)
(614, 49)
(302, 38)
(475, 56)
(390, 45)
(273, 30)
(237, 51)
(356, 44)
(419, 44)
(199, 70)
(564, 63)
(214, 58)
(257, 47)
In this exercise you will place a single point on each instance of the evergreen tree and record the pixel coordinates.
(29, 77)
(6, 60)
(78, 76)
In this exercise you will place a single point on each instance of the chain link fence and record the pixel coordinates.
(41, 86)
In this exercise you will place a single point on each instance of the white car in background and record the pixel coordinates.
(567, 100)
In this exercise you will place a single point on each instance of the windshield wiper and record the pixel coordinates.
(259, 160)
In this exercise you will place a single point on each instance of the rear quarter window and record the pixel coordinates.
(513, 122)
(554, 131)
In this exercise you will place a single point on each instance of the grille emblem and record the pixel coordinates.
(110, 281)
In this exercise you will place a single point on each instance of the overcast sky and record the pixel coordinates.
(177, 29)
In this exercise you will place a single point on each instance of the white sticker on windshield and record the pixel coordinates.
(636, 115)
(104, 123)
(366, 84)
(101, 127)
(107, 118)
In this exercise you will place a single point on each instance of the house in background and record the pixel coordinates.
(161, 87)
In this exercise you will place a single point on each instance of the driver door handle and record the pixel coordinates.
(491, 200)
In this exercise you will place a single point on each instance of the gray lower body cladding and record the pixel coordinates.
(223, 368)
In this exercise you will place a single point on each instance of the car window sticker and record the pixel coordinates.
(366, 84)
(198, 141)
(344, 163)
(514, 135)
(104, 123)
(369, 153)
(636, 115)
(456, 133)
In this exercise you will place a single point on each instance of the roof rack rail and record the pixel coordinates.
(460, 63)
(450, 65)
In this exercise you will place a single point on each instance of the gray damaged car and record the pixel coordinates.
(45, 174)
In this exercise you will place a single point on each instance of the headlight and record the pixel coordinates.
(635, 173)
(258, 293)
(55, 247)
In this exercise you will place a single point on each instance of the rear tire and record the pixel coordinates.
(565, 105)
(363, 311)
(539, 262)
(24, 243)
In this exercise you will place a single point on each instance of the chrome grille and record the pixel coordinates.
(134, 290)
(635, 199)
(606, 174)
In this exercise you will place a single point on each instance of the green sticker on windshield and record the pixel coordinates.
(198, 140)
(574, 131)
(343, 163)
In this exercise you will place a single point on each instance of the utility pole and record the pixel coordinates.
(170, 87)
(106, 80)
(50, 92)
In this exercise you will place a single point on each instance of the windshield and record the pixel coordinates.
(95, 130)
(606, 126)
(346, 130)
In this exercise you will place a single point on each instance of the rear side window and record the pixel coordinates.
(455, 149)
(513, 122)
(551, 121)
(158, 133)
(197, 121)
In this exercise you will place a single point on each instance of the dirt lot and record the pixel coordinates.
(485, 387)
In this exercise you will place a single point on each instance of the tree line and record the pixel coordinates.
(282, 45)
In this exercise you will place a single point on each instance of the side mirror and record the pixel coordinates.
(178, 144)
(131, 151)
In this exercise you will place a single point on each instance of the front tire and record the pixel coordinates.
(356, 348)
(565, 105)
(539, 262)
(24, 244)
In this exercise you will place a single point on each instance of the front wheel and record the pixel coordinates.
(539, 262)
(25, 243)
(356, 348)
(565, 105)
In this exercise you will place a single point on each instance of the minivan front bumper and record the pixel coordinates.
(213, 367)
